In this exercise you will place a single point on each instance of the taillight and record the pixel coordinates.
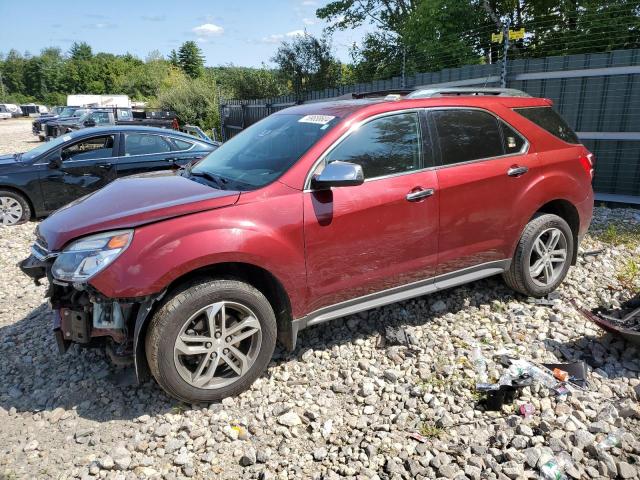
(588, 161)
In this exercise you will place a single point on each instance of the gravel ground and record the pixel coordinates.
(347, 402)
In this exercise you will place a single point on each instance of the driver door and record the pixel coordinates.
(76, 169)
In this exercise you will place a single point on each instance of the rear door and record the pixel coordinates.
(378, 235)
(483, 166)
(87, 165)
(144, 152)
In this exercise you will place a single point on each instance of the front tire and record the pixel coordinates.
(14, 208)
(210, 340)
(542, 257)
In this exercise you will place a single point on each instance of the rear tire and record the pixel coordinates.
(210, 340)
(542, 257)
(14, 208)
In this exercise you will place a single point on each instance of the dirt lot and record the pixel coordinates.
(345, 403)
(16, 136)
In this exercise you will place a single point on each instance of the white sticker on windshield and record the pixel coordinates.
(318, 119)
(66, 138)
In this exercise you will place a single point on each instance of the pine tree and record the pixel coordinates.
(191, 59)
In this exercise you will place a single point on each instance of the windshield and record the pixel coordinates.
(264, 151)
(44, 147)
(67, 112)
(84, 117)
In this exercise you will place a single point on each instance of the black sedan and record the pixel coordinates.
(35, 183)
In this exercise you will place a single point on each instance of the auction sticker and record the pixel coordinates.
(317, 119)
(66, 138)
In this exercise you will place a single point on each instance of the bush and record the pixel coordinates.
(193, 100)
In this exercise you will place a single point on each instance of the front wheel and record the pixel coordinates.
(14, 208)
(542, 257)
(211, 340)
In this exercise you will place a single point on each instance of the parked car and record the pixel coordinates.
(4, 113)
(37, 182)
(33, 110)
(108, 116)
(318, 211)
(15, 110)
(38, 126)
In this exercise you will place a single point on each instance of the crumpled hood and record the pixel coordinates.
(131, 202)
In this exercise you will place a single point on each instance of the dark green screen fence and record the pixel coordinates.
(598, 94)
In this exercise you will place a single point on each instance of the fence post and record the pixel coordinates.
(503, 73)
(223, 130)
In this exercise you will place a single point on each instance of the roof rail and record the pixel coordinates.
(374, 94)
(442, 92)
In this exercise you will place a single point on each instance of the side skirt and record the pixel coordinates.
(396, 294)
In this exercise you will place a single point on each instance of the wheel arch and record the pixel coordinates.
(569, 213)
(258, 277)
(22, 193)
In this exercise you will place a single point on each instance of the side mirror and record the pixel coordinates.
(338, 174)
(89, 123)
(55, 162)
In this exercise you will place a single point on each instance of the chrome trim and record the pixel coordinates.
(42, 253)
(349, 131)
(523, 151)
(400, 293)
(157, 153)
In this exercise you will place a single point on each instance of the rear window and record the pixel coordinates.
(551, 121)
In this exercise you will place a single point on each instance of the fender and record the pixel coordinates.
(567, 184)
(268, 235)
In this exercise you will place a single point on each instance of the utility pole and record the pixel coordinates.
(1, 88)
(504, 27)
(404, 65)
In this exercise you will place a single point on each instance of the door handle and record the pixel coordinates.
(517, 171)
(104, 166)
(419, 194)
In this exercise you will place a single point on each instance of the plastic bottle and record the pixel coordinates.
(552, 471)
(480, 364)
(614, 439)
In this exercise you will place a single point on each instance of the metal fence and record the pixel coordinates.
(598, 94)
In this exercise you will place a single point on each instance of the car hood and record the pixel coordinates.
(128, 203)
(7, 159)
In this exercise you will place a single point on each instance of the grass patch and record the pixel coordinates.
(429, 430)
(629, 275)
(628, 236)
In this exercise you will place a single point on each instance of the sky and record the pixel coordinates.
(241, 32)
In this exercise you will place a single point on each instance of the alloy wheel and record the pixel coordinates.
(548, 257)
(217, 345)
(10, 211)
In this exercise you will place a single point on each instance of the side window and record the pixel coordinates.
(512, 140)
(552, 122)
(101, 117)
(467, 135)
(91, 148)
(182, 145)
(124, 114)
(383, 146)
(143, 144)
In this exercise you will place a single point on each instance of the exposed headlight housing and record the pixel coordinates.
(86, 257)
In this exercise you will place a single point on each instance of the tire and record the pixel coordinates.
(187, 315)
(527, 260)
(14, 208)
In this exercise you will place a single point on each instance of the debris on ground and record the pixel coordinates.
(623, 321)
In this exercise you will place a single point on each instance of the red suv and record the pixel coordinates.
(316, 212)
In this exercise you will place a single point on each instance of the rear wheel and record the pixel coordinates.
(14, 208)
(542, 257)
(211, 340)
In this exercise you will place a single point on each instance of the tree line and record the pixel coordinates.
(409, 36)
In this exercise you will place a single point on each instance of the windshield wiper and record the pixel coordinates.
(219, 181)
(17, 157)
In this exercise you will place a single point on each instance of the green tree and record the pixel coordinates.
(173, 58)
(191, 59)
(306, 63)
(193, 100)
(13, 72)
(80, 51)
(248, 83)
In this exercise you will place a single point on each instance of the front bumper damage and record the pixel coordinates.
(82, 315)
